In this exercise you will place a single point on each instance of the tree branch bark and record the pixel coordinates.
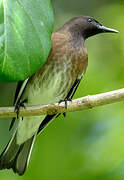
(80, 104)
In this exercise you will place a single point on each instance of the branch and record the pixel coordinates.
(86, 102)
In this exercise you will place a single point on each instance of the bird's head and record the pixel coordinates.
(87, 26)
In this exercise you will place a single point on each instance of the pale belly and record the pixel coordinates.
(54, 90)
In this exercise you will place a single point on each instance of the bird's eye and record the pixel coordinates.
(89, 20)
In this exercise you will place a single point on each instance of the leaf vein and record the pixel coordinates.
(5, 36)
(19, 2)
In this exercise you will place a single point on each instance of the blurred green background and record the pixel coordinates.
(87, 145)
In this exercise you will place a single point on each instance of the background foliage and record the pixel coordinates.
(85, 145)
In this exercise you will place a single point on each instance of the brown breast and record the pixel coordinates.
(71, 54)
(66, 57)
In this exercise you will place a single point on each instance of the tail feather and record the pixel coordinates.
(9, 153)
(23, 156)
(16, 156)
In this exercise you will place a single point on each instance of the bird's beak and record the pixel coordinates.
(105, 29)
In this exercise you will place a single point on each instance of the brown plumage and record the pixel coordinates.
(57, 80)
(66, 57)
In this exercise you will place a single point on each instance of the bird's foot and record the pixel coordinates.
(66, 104)
(17, 107)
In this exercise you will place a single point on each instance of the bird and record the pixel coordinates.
(57, 80)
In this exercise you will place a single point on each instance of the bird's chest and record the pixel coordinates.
(79, 62)
(50, 87)
(56, 78)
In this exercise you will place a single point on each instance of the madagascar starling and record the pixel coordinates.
(56, 80)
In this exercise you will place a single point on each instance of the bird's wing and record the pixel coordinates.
(18, 94)
(69, 96)
(19, 91)
(73, 89)
(19, 85)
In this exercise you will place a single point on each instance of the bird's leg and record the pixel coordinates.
(17, 107)
(66, 104)
(66, 101)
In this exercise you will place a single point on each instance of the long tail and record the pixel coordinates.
(16, 156)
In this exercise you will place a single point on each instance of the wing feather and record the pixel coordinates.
(18, 94)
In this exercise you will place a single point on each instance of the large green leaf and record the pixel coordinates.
(25, 37)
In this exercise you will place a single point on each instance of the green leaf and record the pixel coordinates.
(25, 37)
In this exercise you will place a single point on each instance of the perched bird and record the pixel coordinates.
(56, 80)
